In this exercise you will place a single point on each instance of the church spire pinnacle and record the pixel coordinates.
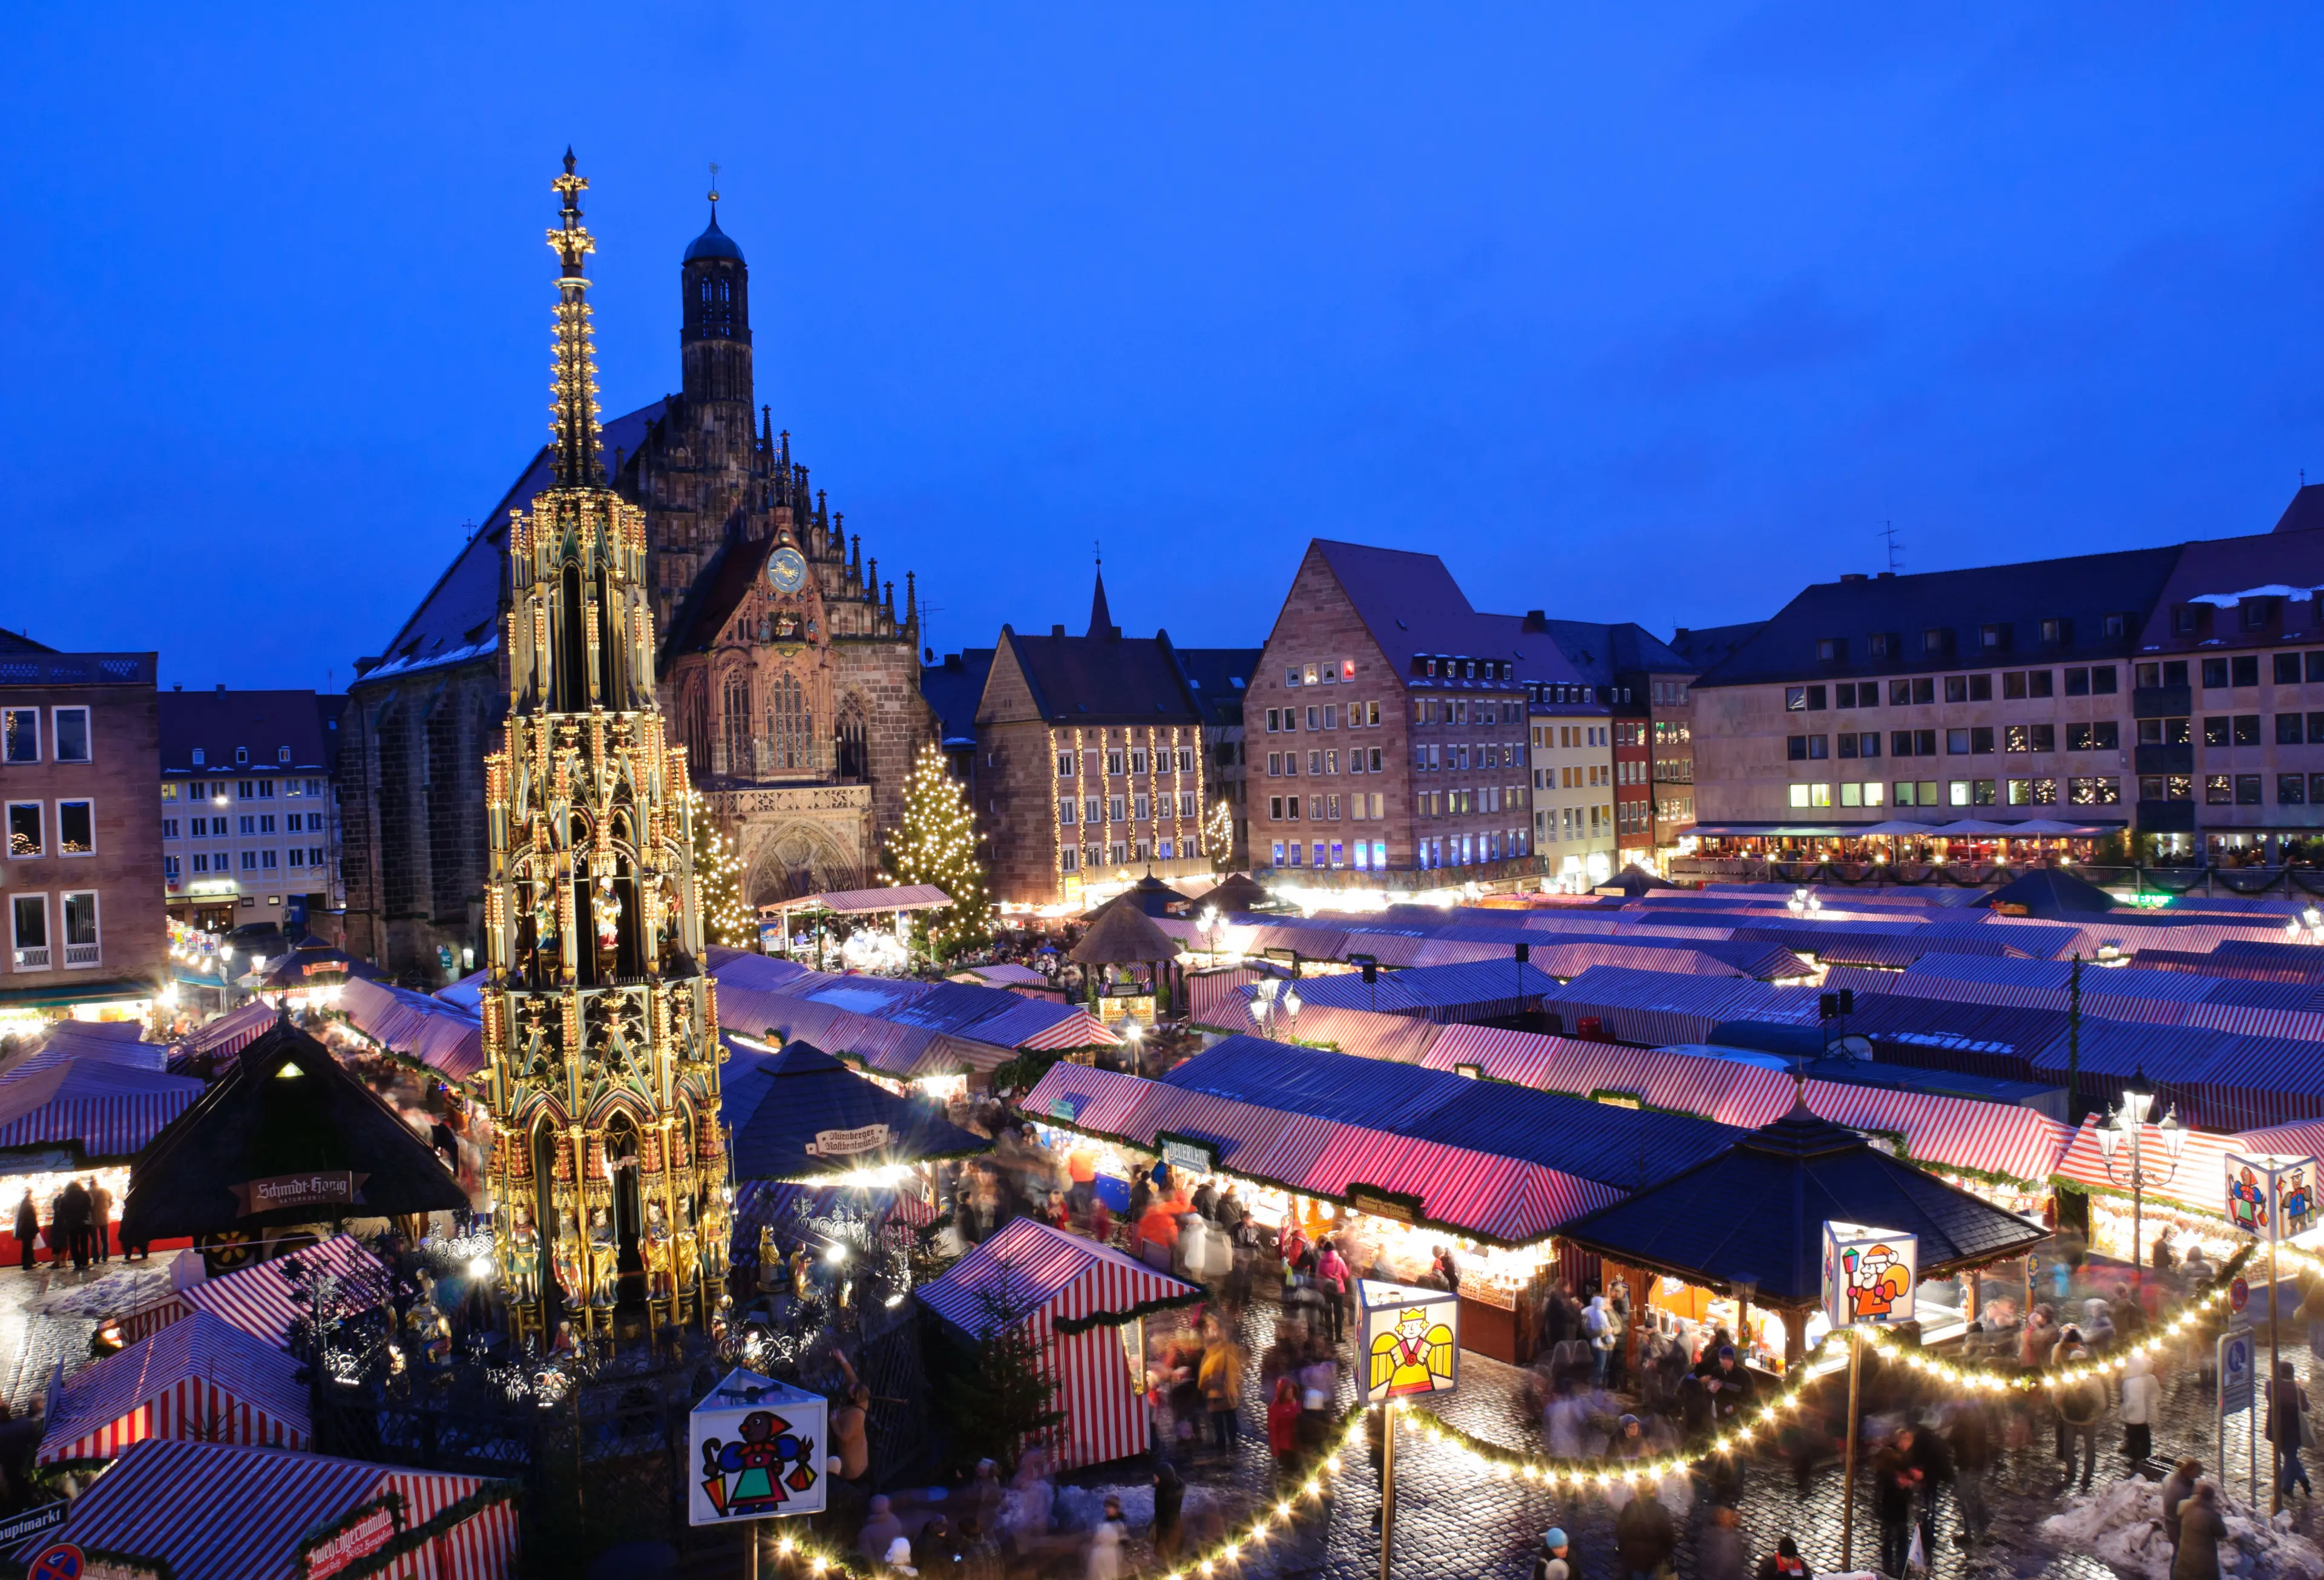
(580, 459)
(1101, 617)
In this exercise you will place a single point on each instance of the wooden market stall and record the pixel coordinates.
(202, 1378)
(1085, 1305)
(1748, 1224)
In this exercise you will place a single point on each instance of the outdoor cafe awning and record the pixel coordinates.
(865, 901)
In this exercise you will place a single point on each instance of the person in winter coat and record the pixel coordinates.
(1896, 1488)
(880, 1531)
(1719, 1551)
(1785, 1563)
(1934, 1459)
(2142, 1396)
(1106, 1539)
(1973, 1454)
(1221, 1379)
(2200, 1529)
(2081, 1405)
(1283, 1426)
(2287, 1413)
(2177, 1488)
(1169, 1513)
(1555, 1560)
(1599, 1327)
(1332, 1276)
(1644, 1538)
(28, 1229)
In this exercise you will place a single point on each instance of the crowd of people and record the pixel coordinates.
(79, 1226)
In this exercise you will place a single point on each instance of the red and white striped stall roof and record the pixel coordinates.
(200, 1378)
(2199, 1181)
(108, 1108)
(221, 1512)
(1078, 1029)
(1052, 1275)
(259, 1299)
(232, 1032)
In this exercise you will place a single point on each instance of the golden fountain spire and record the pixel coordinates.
(580, 459)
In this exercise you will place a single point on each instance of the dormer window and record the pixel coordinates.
(1879, 644)
(2057, 631)
(241, 754)
(1831, 649)
(2118, 626)
(197, 756)
(1993, 638)
(2187, 620)
(1935, 640)
(2255, 613)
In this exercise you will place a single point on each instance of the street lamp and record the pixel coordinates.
(1291, 1008)
(1136, 1034)
(2307, 927)
(2128, 1122)
(1804, 902)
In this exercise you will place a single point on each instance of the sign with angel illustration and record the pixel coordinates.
(1410, 1340)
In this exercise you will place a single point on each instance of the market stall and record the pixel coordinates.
(1084, 1306)
(1747, 1226)
(1130, 962)
(897, 900)
(223, 1512)
(261, 1300)
(200, 1378)
(80, 1107)
(288, 1139)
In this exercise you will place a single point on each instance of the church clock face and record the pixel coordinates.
(787, 570)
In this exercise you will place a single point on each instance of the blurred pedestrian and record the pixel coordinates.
(1644, 1538)
(1222, 1385)
(2142, 1396)
(1106, 1540)
(2177, 1488)
(1973, 1456)
(2081, 1404)
(1719, 1550)
(28, 1229)
(2287, 1428)
(1896, 1488)
(1283, 1428)
(1169, 1512)
(2200, 1530)
(1785, 1563)
(1555, 1561)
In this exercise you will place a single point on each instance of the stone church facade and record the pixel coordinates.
(785, 667)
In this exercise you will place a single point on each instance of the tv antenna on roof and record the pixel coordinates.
(1895, 550)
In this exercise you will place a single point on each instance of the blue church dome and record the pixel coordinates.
(714, 242)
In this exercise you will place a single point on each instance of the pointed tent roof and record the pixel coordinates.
(1635, 880)
(1151, 895)
(1123, 935)
(2050, 893)
(1236, 891)
(780, 1104)
(1756, 1213)
(287, 1107)
(1101, 617)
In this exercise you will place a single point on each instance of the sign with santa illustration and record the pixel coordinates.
(1410, 1341)
(756, 1450)
(2271, 1195)
(1869, 1275)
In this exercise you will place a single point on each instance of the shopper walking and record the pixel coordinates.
(2201, 1530)
(1895, 1486)
(2142, 1396)
(2081, 1405)
(100, 1219)
(2177, 1488)
(2287, 1429)
(28, 1231)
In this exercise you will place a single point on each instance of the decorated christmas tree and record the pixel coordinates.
(938, 845)
(718, 880)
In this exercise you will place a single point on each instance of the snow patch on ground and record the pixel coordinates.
(2123, 1526)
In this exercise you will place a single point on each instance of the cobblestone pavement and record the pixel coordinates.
(47, 1316)
(1450, 1522)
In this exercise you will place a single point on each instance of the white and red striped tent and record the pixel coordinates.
(230, 1033)
(201, 1377)
(259, 1300)
(106, 1107)
(1075, 1296)
(223, 1511)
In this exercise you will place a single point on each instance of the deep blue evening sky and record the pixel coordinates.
(1629, 313)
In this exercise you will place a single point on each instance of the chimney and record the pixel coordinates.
(1848, 576)
(221, 685)
(1056, 631)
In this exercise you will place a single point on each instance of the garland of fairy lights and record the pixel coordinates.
(1493, 1462)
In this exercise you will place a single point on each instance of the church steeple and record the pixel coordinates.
(580, 456)
(1101, 617)
(715, 338)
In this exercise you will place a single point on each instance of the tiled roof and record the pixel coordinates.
(258, 724)
(16, 641)
(1096, 679)
(1220, 676)
(1414, 608)
(2084, 589)
(2286, 565)
(1601, 653)
(954, 687)
(1700, 647)
(459, 619)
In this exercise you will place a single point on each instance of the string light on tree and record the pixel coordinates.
(1218, 834)
(718, 880)
(938, 845)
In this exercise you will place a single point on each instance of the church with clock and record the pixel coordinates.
(785, 664)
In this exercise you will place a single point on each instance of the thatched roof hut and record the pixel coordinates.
(1123, 935)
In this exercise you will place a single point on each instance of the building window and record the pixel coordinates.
(1957, 793)
(1068, 860)
(313, 856)
(1138, 760)
(81, 929)
(24, 829)
(2219, 789)
(76, 828)
(1066, 811)
(2247, 789)
(20, 734)
(2291, 790)
(2247, 729)
(1113, 763)
(1091, 810)
(72, 734)
(29, 918)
